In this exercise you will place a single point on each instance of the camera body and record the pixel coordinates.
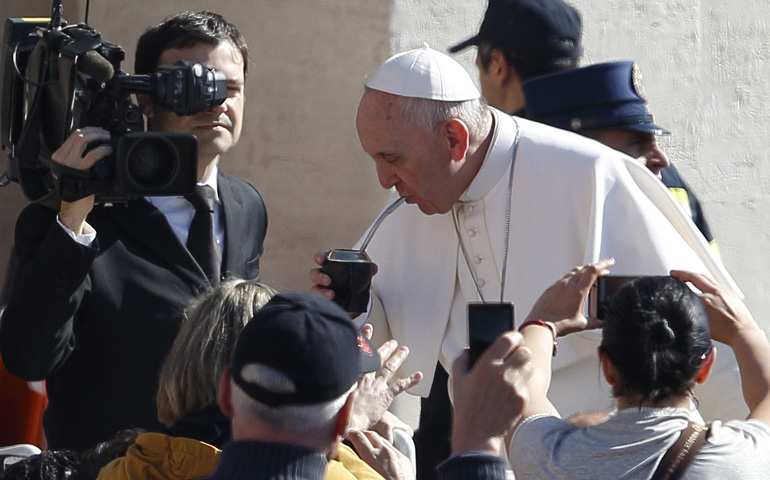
(486, 323)
(57, 78)
(602, 292)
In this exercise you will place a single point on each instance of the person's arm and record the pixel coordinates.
(732, 324)
(72, 154)
(36, 331)
(558, 312)
(490, 396)
(488, 400)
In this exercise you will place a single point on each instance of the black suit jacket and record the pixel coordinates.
(96, 322)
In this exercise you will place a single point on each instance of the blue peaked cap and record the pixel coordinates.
(605, 95)
(539, 30)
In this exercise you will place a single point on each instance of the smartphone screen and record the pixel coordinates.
(486, 322)
(602, 291)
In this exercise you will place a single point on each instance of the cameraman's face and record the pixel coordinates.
(218, 129)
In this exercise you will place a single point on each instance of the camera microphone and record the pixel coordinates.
(93, 64)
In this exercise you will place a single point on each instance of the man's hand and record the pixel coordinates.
(72, 153)
(382, 456)
(321, 282)
(375, 391)
(562, 304)
(489, 398)
(389, 422)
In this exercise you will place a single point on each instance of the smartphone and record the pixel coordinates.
(486, 323)
(602, 292)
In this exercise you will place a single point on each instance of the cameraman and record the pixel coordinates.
(97, 298)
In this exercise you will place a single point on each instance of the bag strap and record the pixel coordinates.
(678, 457)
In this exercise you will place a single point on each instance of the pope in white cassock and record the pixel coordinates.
(497, 209)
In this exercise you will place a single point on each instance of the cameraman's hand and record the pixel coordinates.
(72, 153)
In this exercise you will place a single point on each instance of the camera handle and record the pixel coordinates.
(72, 184)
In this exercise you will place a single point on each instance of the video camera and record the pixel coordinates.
(57, 78)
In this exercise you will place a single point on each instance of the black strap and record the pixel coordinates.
(201, 240)
(678, 457)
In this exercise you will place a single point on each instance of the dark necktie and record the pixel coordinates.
(201, 241)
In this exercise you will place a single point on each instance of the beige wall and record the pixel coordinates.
(299, 145)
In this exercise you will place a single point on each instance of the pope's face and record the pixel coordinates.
(218, 129)
(414, 160)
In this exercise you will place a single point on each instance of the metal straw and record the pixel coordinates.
(379, 220)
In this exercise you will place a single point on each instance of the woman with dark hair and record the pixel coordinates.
(656, 345)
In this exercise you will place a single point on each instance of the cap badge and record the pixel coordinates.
(636, 80)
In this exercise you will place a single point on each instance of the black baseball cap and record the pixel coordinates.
(545, 30)
(603, 95)
(311, 341)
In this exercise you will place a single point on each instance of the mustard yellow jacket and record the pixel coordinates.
(155, 456)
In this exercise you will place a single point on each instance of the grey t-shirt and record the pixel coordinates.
(631, 444)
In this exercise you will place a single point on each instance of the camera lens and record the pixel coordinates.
(152, 163)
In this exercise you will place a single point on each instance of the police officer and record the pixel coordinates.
(605, 102)
(519, 40)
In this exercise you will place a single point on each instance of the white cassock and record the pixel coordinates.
(573, 202)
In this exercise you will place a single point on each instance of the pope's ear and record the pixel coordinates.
(458, 137)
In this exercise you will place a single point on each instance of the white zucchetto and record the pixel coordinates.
(424, 73)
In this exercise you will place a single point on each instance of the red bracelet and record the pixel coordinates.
(549, 326)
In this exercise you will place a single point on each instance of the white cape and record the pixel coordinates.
(574, 201)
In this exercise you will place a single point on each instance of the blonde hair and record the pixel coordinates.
(189, 378)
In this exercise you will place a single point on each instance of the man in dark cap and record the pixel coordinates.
(521, 39)
(606, 102)
(290, 388)
(292, 383)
